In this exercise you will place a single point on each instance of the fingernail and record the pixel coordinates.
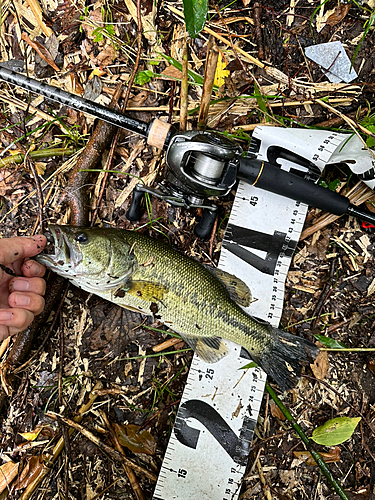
(33, 267)
(20, 285)
(5, 315)
(22, 300)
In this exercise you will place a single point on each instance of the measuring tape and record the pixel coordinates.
(208, 449)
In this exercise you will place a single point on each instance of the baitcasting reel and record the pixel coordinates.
(204, 164)
(200, 165)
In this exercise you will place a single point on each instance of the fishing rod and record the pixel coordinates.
(201, 164)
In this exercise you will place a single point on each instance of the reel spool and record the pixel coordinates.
(200, 165)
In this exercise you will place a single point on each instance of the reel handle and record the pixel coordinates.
(204, 227)
(135, 210)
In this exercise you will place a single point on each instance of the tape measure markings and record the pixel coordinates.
(261, 236)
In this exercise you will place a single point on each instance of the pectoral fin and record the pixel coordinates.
(238, 290)
(209, 349)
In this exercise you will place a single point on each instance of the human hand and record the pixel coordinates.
(21, 297)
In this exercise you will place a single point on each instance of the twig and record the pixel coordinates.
(324, 296)
(184, 88)
(47, 467)
(64, 430)
(265, 487)
(339, 120)
(107, 449)
(47, 336)
(258, 30)
(208, 83)
(352, 124)
(101, 493)
(37, 11)
(213, 232)
(36, 155)
(108, 164)
(166, 345)
(38, 189)
(128, 471)
(316, 456)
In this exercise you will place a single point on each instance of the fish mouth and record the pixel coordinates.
(59, 250)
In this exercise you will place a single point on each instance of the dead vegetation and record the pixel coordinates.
(86, 356)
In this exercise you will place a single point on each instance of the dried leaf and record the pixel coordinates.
(9, 180)
(138, 441)
(42, 51)
(8, 472)
(335, 431)
(371, 366)
(171, 72)
(31, 471)
(321, 365)
(338, 15)
(332, 456)
(276, 412)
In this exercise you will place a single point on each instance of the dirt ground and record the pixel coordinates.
(84, 342)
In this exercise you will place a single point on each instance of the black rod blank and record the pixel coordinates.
(79, 103)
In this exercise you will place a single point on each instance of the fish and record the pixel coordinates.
(202, 304)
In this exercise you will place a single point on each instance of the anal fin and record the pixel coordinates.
(209, 349)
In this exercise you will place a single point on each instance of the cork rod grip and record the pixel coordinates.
(158, 133)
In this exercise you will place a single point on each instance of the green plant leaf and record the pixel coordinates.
(195, 12)
(331, 343)
(143, 77)
(333, 185)
(252, 364)
(335, 431)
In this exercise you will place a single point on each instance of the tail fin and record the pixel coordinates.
(285, 356)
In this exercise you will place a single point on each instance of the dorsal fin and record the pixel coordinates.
(237, 289)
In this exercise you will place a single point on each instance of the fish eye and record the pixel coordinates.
(81, 237)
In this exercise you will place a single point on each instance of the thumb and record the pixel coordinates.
(20, 247)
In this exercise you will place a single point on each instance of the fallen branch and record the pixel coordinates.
(128, 470)
(115, 455)
(76, 191)
(47, 467)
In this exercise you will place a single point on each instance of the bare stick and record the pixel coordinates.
(208, 83)
(184, 88)
(115, 455)
(47, 467)
(124, 105)
(128, 471)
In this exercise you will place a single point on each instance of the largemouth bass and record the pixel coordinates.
(203, 305)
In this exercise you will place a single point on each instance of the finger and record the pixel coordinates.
(33, 268)
(20, 247)
(34, 285)
(15, 319)
(26, 300)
